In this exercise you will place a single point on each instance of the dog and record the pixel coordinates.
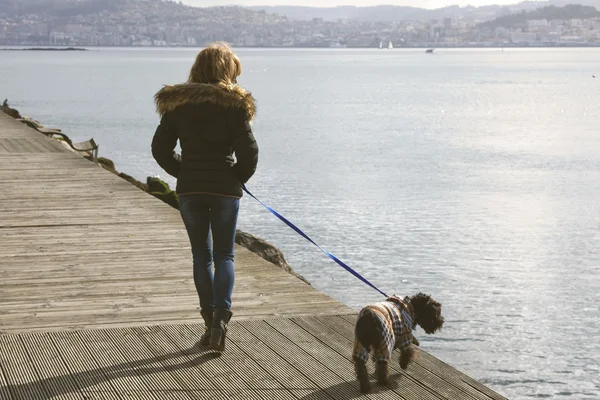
(383, 327)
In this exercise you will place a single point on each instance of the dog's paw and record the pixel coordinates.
(406, 356)
(382, 371)
(365, 386)
(362, 376)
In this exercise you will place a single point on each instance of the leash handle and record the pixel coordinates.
(305, 236)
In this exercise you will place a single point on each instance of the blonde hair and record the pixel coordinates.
(216, 64)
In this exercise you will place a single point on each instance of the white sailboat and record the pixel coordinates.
(390, 45)
(381, 45)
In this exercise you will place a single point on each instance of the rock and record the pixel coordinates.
(10, 111)
(267, 251)
(157, 185)
(107, 164)
(162, 191)
(32, 123)
(133, 181)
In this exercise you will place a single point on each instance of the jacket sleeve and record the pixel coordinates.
(244, 145)
(163, 147)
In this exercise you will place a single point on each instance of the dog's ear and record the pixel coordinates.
(428, 313)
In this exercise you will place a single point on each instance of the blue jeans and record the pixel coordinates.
(201, 214)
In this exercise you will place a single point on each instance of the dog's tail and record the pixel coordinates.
(368, 330)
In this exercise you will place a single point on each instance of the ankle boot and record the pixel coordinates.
(219, 329)
(207, 315)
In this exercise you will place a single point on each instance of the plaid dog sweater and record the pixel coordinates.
(396, 317)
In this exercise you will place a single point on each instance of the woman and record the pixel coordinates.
(210, 115)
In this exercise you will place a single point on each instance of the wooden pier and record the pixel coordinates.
(97, 301)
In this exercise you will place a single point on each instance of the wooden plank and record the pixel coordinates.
(23, 380)
(219, 372)
(89, 216)
(85, 319)
(37, 145)
(79, 232)
(100, 301)
(9, 145)
(155, 376)
(79, 269)
(78, 308)
(123, 377)
(36, 161)
(249, 370)
(125, 292)
(24, 133)
(51, 369)
(4, 389)
(277, 366)
(276, 394)
(306, 364)
(23, 145)
(180, 362)
(74, 205)
(30, 322)
(106, 183)
(89, 376)
(102, 396)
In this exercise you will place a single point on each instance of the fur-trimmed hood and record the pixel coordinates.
(174, 96)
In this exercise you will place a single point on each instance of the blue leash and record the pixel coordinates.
(305, 236)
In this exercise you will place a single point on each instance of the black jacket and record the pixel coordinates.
(211, 122)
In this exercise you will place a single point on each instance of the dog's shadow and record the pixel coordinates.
(350, 390)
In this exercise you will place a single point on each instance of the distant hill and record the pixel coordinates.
(382, 13)
(62, 8)
(562, 3)
(548, 13)
(151, 9)
(144, 20)
(396, 13)
(379, 13)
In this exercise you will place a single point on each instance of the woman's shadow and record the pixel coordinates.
(54, 387)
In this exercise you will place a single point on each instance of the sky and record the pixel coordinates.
(333, 3)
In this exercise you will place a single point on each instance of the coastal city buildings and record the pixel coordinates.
(166, 23)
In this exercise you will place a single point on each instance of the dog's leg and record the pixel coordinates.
(362, 375)
(383, 372)
(406, 356)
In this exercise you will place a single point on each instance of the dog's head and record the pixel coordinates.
(428, 312)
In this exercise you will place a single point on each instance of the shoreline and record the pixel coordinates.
(83, 47)
(156, 187)
(47, 49)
